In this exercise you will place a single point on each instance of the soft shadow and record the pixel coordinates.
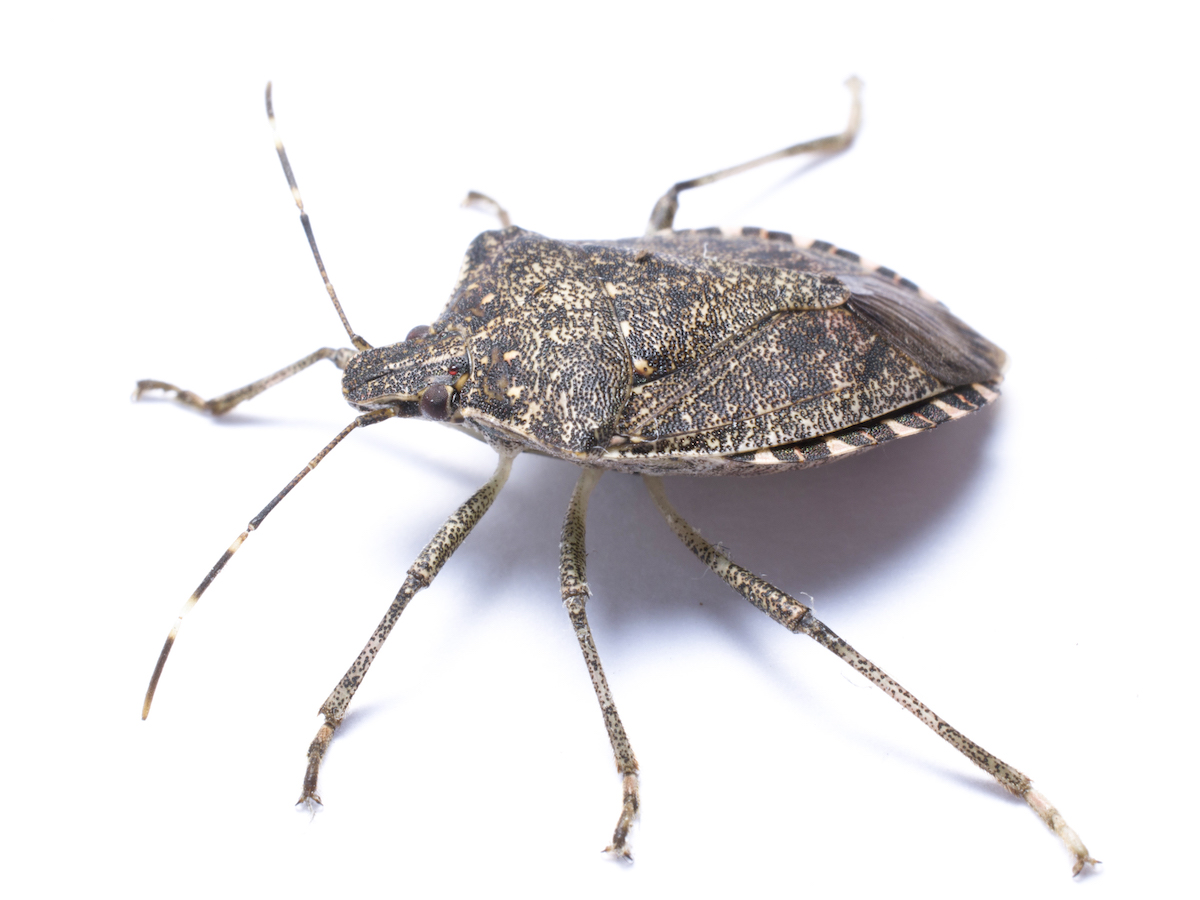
(822, 531)
(360, 714)
(235, 418)
(774, 190)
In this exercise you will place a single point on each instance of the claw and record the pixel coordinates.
(1066, 833)
(619, 851)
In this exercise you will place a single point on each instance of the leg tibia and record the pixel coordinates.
(420, 574)
(572, 571)
(796, 617)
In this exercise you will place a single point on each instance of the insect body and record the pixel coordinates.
(706, 352)
(713, 352)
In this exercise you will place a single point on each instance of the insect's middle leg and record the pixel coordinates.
(575, 593)
(797, 617)
(420, 574)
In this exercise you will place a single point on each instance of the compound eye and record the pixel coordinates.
(419, 332)
(435, 402)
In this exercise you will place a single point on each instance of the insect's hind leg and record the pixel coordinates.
(575, 593)
(796, 617)
(218, 406)
(662, 218)
(420, 574)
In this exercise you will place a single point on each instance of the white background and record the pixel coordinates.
(1023, 571)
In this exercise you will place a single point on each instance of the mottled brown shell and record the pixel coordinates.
(699, 351)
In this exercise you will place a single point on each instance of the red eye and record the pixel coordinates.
(452, 371)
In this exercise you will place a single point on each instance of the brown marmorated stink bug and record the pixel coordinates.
(711, 352)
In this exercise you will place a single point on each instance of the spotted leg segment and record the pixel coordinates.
(796, 617)
(218, 406)
(572, 560)
(420, 575)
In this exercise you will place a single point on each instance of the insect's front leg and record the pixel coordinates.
(575, 593)
(796, 617)
(420, 575)
(218, 406)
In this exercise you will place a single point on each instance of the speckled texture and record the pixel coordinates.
(420, 575)
(573, 576)
(679, 352)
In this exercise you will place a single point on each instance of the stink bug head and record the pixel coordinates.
(415, 377)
